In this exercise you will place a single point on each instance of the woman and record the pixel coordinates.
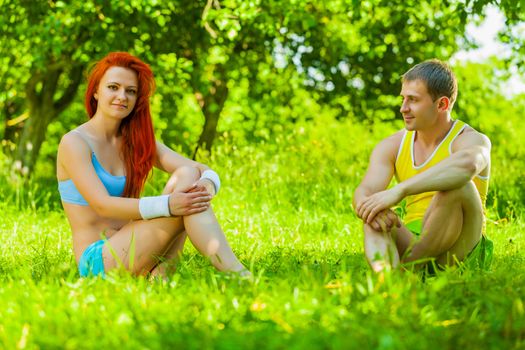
(102, 166)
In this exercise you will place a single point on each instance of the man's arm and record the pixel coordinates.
(380, 170)
(378, 176)
(471, 155)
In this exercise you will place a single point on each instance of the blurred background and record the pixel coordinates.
(278, 76)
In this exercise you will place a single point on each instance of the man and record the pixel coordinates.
(442, 169)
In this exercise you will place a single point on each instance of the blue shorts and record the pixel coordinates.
(91, 262)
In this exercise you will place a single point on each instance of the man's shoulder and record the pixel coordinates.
(390, 144)
(394, 139)
(470, 130)
(469, 137)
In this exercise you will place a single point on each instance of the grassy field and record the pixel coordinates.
(285, 207)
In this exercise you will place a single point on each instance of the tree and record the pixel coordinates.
(51, 43)
(349, 54)
(46, 46)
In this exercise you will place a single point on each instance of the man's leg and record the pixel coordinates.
(382, 248)
(451, 227)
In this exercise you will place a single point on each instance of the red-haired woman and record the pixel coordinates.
(102, 166)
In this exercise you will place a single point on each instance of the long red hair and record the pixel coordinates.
(138, 141)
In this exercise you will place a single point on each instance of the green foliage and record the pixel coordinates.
(347, 54)
(360, 49)
(513, 32)
(482, 104)
(45, 47)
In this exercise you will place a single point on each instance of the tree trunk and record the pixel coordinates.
(32, 137)
(209, 130)
(14, 117)
(12, 126)
(43, 109)
(212, 104)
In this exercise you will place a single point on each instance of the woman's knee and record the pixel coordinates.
(182, 177)
(186, 173)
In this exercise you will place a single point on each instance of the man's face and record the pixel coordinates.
(418, 110)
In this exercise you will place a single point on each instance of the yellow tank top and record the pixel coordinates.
(416, 205)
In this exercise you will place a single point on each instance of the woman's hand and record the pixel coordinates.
(208, 186)
(192, 200)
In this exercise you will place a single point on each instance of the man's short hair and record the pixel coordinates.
(438, 77)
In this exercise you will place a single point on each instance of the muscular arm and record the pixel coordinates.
(380, 170)
(378, 176)
(471, 156)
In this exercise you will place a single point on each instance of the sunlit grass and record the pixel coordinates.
(285, 207)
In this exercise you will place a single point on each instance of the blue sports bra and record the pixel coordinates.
(113, 184)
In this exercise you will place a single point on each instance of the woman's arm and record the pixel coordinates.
(75, 158)
(169, 161)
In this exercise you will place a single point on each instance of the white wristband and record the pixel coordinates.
(154, 207)
(213, 177)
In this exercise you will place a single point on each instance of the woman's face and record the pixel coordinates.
(117, 92)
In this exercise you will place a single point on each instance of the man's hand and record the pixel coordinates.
(385, 221)
(370, 206)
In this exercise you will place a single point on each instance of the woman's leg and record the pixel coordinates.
(149, 239)
(206, 235)
(167, 263)
(203, 229)
(138, 245)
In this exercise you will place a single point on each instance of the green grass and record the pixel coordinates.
(285, 207)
